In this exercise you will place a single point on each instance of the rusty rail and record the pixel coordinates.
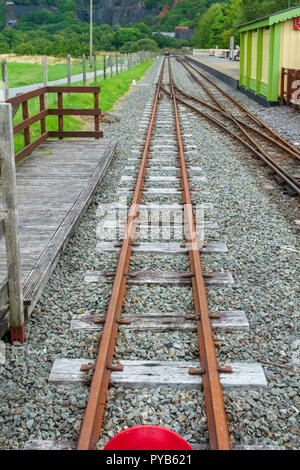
(28, 121)
(92, 420)
(251, 116)
(216, 416)
(215, 408)
(252, 145)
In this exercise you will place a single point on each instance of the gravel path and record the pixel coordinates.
(259, 228)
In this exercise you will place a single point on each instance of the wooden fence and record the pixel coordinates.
(110, 65)
(24, 125)
(11, 289)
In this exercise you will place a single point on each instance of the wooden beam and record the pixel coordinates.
(5, 79)
(244, 376)
(9, 187)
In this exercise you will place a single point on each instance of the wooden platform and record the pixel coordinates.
(55, 185)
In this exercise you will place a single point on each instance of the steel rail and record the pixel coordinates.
(213, 394)
(241, 124)
(93, 416)
(248, 113)
(255, 147)
(281, 172)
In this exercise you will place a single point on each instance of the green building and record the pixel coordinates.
(268, 44)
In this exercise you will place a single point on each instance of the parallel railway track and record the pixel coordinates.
(210, 371)
(281, 157)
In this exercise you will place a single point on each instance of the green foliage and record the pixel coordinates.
(219, 22)
(168, 42)
(61, 33)
(145, 44)
(184, 13)
(252, 9)
(2, 15)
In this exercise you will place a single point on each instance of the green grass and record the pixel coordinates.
(20, 74)
(111, 90)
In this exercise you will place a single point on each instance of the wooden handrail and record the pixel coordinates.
(60, 111)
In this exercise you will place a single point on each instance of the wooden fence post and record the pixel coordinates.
(69, 69)
(5, 80)
(84, 69)
(117, 68)
(9, 187)
(95, 68)
(45, 79)
(104, 67)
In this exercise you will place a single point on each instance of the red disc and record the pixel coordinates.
(147, 437)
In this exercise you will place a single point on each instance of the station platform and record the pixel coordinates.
(226, 70)
(55, 185)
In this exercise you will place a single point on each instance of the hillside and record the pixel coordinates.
(165, 15)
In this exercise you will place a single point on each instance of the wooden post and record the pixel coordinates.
(25, 112)
(42, 107)
(111, 65)
(9, 187)
(84, 69)
(117, 68)
(45, 79)
(282, 86)
(104, 67)
(5, 80)
(96, 107)
(121, 62)
(60, 116)
(69, 69)
(95, 68)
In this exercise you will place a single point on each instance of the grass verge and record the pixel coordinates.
(20, 74)
(111, 90)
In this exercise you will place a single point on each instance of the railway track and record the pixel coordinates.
(167, 157)
(281, 157)
(216, 416)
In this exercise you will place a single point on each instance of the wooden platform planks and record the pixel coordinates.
(55, 185)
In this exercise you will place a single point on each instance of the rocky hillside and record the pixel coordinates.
(165, 14)
(115, 12)
(112, 12)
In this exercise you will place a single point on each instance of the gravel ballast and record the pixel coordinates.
(259, 228)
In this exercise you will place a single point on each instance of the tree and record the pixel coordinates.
(126, 35)
(210, 27)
